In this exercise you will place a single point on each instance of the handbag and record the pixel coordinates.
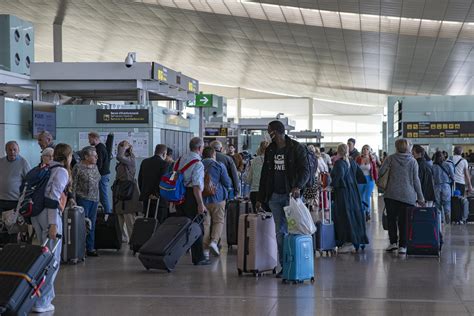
(299, 218)
(382, 181)
(123, 190)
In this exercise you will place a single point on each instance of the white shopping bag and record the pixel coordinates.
(299, 218)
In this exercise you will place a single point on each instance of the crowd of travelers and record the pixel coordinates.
(280, 169)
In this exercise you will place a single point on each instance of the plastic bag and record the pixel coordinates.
(299, 218)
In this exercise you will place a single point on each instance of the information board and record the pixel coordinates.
(140, 141)
(438, 129)
(122, 116)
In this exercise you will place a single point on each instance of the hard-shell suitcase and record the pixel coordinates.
(298, 258)
(108, 234)
(470, 217)
(257, 249)
(235, 208)
(423, 229)
(74, 235)
(324, 239)
(143, 229)
(170, 242)
(24, 271)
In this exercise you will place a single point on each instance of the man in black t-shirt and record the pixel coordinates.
(103, 164)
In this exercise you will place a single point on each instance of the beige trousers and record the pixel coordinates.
(216, 216)
(128, 220)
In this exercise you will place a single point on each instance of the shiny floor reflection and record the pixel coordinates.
(369, 283)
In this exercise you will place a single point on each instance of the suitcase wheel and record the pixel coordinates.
(312, 280)
(169, 271)
(239, 272)
(321, 253)
(274, 271)
(284, 281)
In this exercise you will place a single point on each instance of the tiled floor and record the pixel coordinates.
(369, 283)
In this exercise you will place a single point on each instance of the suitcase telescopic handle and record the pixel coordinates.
(156, 207)
(56, 244)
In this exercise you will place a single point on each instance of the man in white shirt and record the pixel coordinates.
(462, 177)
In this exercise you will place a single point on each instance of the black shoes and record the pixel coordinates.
(367, 217)
(204, 262)
(92, 253)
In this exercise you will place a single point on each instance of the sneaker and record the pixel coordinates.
(279, 274)
(391, 247)
(203, 262)
(49, 308)
(346, 248)
(214, 248)
(402, 250)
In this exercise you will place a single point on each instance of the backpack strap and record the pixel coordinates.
(176, 165)
(188, 165)
(457, 163)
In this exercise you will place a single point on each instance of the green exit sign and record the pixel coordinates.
(204, 100)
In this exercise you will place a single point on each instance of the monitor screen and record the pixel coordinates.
(44, 118)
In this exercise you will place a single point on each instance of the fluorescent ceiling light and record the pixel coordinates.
(324, 18)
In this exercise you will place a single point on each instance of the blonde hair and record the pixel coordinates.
(343, 151)
(48, 151)
(261, 149)
(130, 149)
(317, 152)
(402, 145)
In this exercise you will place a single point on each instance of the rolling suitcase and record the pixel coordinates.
(74, 235)
(24, 270)
(423, 229)
(324, 239)
(298, 258)
(170, 242)
(457, 209)
(143, 229)
(257, 249)
(235, 208)
(108, 234)
(470, 217)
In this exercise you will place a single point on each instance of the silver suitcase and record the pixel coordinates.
(257, 249)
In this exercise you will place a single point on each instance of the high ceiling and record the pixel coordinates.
(357, 51)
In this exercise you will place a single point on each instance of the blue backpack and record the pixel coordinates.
(33, 188)
(172, 184)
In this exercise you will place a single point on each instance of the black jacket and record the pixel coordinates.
(149, 177)
(231, 170)
(296, 166)
(103, 159)
(425, 173)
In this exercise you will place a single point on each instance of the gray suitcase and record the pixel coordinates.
(257, 249)
(74, 235)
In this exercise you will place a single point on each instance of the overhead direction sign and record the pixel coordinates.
(204, 100)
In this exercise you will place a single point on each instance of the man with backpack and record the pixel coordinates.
(103, 164)
(193, 178)
(462, 177)
(285, 171)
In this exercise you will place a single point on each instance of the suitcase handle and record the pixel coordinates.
(56, 244)
(156, 208)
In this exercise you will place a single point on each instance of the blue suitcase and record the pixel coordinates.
(298, 258)
(324, 238)
(423, 230)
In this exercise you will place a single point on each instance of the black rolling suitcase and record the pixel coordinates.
(107, 232)
(24, 270)
(74, 235)
(144, 228)
(459, 206)
(170, 242)
(470, 217)
(235, 208)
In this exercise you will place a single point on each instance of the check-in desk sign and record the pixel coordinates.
(438, 129)
(127, 116)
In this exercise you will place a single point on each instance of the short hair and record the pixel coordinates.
(11, 142)
(322, 149)
(277, 127)
(402, 145)
(208, 152)
(160, 149)
(45, 134)
(458, 150)
(351, 140)
(87, 151)
(169, 152)
(94, 135)
(343, 151)
(195, 143)
(261, 149)
(217, 145)
(230, 145)
(48, 151)
(419, 150)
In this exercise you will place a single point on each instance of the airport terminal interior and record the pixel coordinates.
(236, 157)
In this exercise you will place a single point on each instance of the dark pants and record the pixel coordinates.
(253, 200)
(6, 238)
(189, 209)
(162, 211)
(397, 216)
(461, 188)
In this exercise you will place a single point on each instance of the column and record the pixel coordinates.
(310, 113)
(239, 107)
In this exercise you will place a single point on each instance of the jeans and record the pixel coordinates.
(214, 223)
(104, 193)
(90, 210)
(277, 203)
(365, 191)
(397, 219)
(41, 227)
(443, 198)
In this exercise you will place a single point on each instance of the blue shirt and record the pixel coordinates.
(220, 178)
(440, 173)
(194, 176)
